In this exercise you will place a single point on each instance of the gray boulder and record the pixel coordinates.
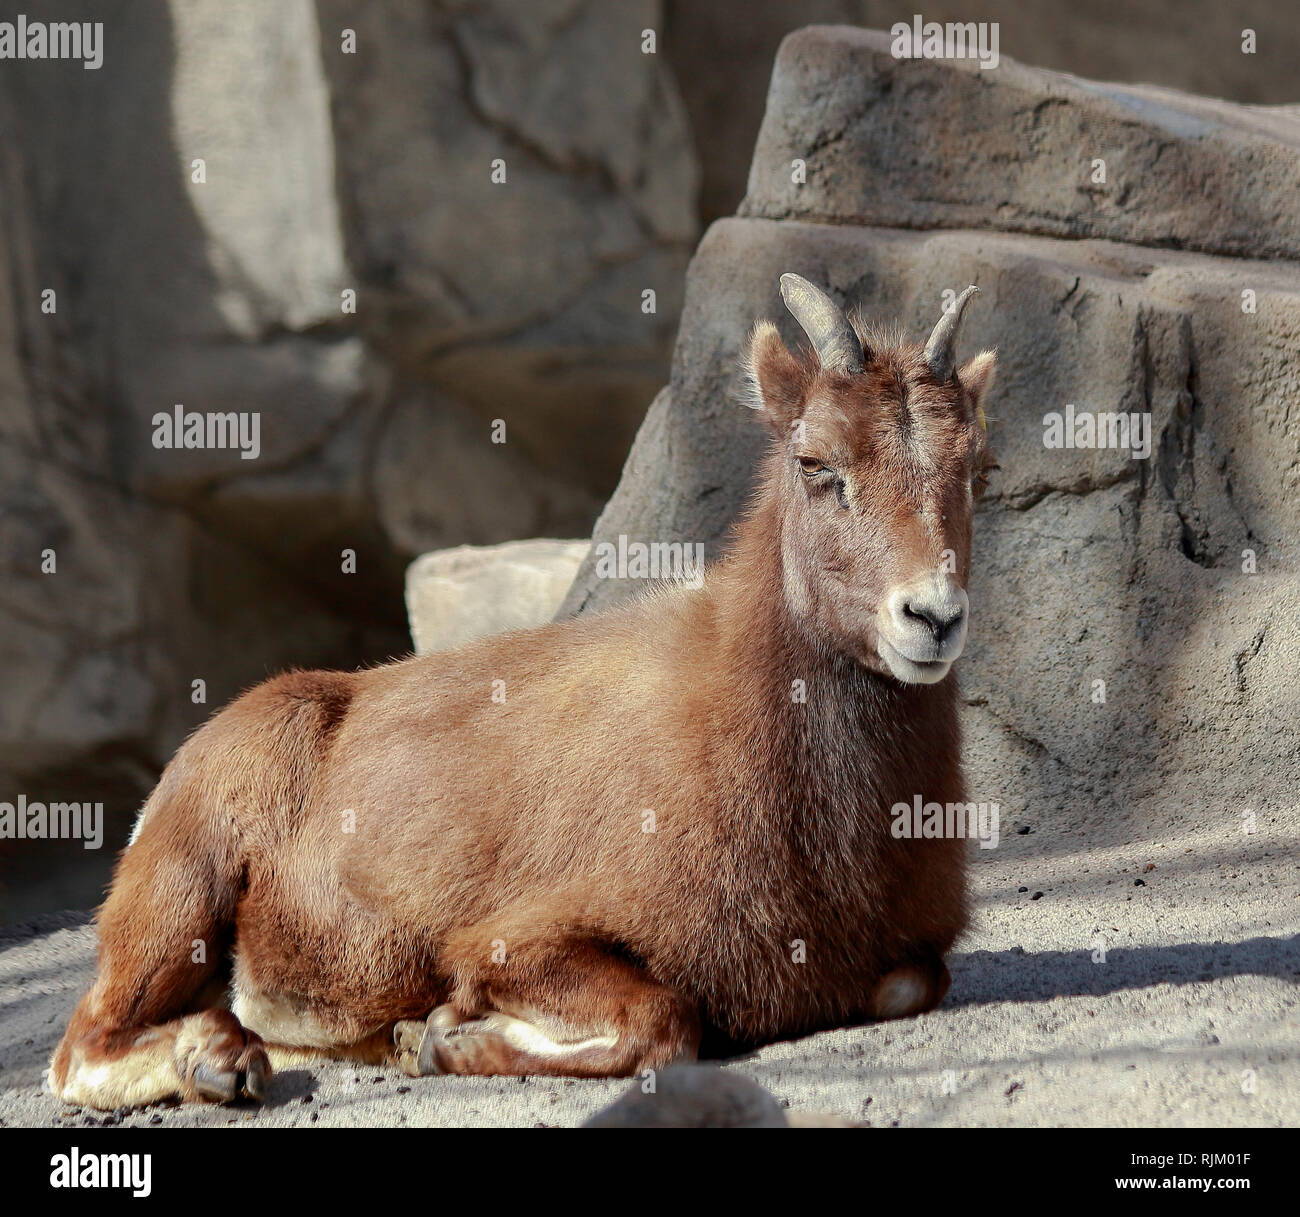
(455, 595)
(925, 143)
(693, 1096)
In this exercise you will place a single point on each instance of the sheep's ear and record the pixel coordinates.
(778, 382)
(976, 377)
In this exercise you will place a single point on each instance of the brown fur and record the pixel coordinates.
(498, 873)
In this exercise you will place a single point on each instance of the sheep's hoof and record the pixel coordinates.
(416, 1042)
(220, 1061)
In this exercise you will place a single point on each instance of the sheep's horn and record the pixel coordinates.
(832, 336)
(940, 351)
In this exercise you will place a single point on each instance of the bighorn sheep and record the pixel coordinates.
(673, 828)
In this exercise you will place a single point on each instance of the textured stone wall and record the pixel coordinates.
(222, 287)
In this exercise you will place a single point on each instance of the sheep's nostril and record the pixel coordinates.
(918, 613)
(939, 621)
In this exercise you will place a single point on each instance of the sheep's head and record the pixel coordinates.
(882, 451)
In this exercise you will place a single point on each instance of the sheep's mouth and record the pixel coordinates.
(912, 671)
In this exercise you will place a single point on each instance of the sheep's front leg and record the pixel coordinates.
(560, 1007)
(499, 1043)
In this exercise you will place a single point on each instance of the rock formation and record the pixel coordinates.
(290, 210)
(1134, 621)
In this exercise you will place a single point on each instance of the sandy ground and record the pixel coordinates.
(1192, 1019)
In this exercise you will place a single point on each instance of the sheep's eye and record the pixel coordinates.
(811, 466)
(980, 481)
